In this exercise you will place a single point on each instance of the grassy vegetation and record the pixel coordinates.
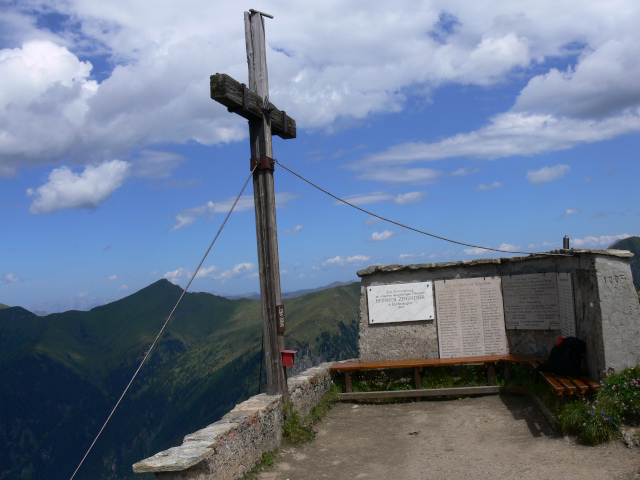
(596, 419)
(266, 462)
(2, 305)
(452, 377)
(299, 430)
(435, 377)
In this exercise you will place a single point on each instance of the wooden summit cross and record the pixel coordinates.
(264, 118)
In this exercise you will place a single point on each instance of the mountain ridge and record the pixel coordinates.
(631, 244)
(295, 293)
(66, 371)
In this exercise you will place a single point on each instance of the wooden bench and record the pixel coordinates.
(567, 385)
(561, 385)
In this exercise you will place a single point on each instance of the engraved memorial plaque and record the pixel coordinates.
(565, 305)
(402, 302)
(470, 318)
(531, 301)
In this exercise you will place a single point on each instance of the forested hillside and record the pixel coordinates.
(62, 373)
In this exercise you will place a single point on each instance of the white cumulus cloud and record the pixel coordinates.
(236, 271)
(410, 197)
(547, 174)
(206, 271)
(569, 212)
(475, 251)
(10, 277)
(366, 198)
(493, 186)
(596, 87)
(509, 247)
(188, 216)
(293, 230)
(160, 59)
(341, 261)
(405, 256)
(66, 189)
(380, 236)
(602, 241)
(44, 94)
(509, 134)
(174, 276)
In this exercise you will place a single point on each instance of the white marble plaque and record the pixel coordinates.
(531, 301)
(565, 305)
(400, 302)
(470, 317)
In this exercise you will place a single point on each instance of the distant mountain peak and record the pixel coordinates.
(631, 244)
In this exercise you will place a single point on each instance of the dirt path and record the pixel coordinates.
(490, 437)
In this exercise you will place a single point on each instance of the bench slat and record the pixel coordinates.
(582, 387)
(557, 387)
(434, 362)
(593, 386)
(569, 387)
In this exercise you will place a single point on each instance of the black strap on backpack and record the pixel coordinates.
(565, 358)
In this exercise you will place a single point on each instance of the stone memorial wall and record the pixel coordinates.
(516, 305)
(565, 305)
(531, 301)
(469, 317)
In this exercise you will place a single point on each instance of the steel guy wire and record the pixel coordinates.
(165, 325)
(411, 228)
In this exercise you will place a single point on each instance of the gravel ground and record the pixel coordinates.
(489, 437)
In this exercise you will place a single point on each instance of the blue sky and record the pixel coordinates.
(501, 124)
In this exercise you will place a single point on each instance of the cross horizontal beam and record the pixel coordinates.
(248, 104)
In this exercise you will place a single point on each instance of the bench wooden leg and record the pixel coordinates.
(507, 372)
(416, 378)
(491, 374)
(347, 381)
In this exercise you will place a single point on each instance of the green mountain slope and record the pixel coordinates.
(2, 305)
(64, 372)
(633, 245)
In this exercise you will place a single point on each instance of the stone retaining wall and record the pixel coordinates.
(307, 389)
(230, 447)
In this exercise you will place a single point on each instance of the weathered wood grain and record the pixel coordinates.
(230, 93)
(260, 131)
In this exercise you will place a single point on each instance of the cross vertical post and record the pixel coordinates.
(265, 206)
(264, 119)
